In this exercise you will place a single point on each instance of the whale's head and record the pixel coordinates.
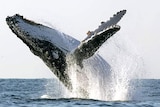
(36, 36)
(24, 29)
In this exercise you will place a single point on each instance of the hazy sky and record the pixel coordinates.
(75, 17)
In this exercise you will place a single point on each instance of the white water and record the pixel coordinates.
(88, 82)
(126, 65)
(98, 81)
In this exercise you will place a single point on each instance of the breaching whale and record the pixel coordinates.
(53, 46)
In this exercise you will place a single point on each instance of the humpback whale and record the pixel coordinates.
(53, 46)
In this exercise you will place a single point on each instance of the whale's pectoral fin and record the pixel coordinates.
(88, 47)
(96, 38)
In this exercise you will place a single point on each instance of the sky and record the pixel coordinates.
(75, 17)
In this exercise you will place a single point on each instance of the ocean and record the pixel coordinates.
(48, 93)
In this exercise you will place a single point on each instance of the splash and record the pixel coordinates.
(101, 81)
(126, 65)
(89, 81)
(78, 78)
(54, 89)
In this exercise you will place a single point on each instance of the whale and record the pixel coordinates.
(54, 47)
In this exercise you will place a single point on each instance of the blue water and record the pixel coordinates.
(35, 92)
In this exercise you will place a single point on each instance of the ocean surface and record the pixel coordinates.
(47, 93)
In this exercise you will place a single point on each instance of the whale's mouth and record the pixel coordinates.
(16, 25)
